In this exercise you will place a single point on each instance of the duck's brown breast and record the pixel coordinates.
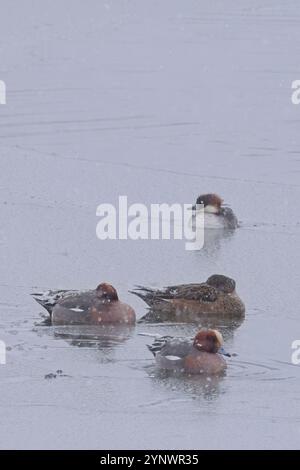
(204, 363)
(113, 312)
(97, 313)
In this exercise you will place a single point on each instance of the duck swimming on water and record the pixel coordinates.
(189, 302)
(215, 214)
(201, 355)
(91, 307)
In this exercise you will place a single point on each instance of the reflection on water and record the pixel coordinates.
(99, 337)
(224, 324)
(214, 239)
(189, 386)
(189, 330)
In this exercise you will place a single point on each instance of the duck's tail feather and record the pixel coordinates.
(43, 302)
(48, 299)
(147, 294)
(158, 344)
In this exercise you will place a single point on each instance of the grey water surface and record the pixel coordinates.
(159, 101)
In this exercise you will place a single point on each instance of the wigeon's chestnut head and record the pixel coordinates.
(208, 340)
(92, 307)
(192, 302)
(106, 292)
(222, 283)
(216, 215)
(201, 355)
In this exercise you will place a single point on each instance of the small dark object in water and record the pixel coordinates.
(50, 376)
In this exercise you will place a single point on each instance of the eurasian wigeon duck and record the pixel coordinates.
(216, 215)
(190, 302)
(94, 307)
(201, 355)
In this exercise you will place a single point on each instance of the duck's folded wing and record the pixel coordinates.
(183, 291)
(79, 301)
(168, 346)
(201, 292)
